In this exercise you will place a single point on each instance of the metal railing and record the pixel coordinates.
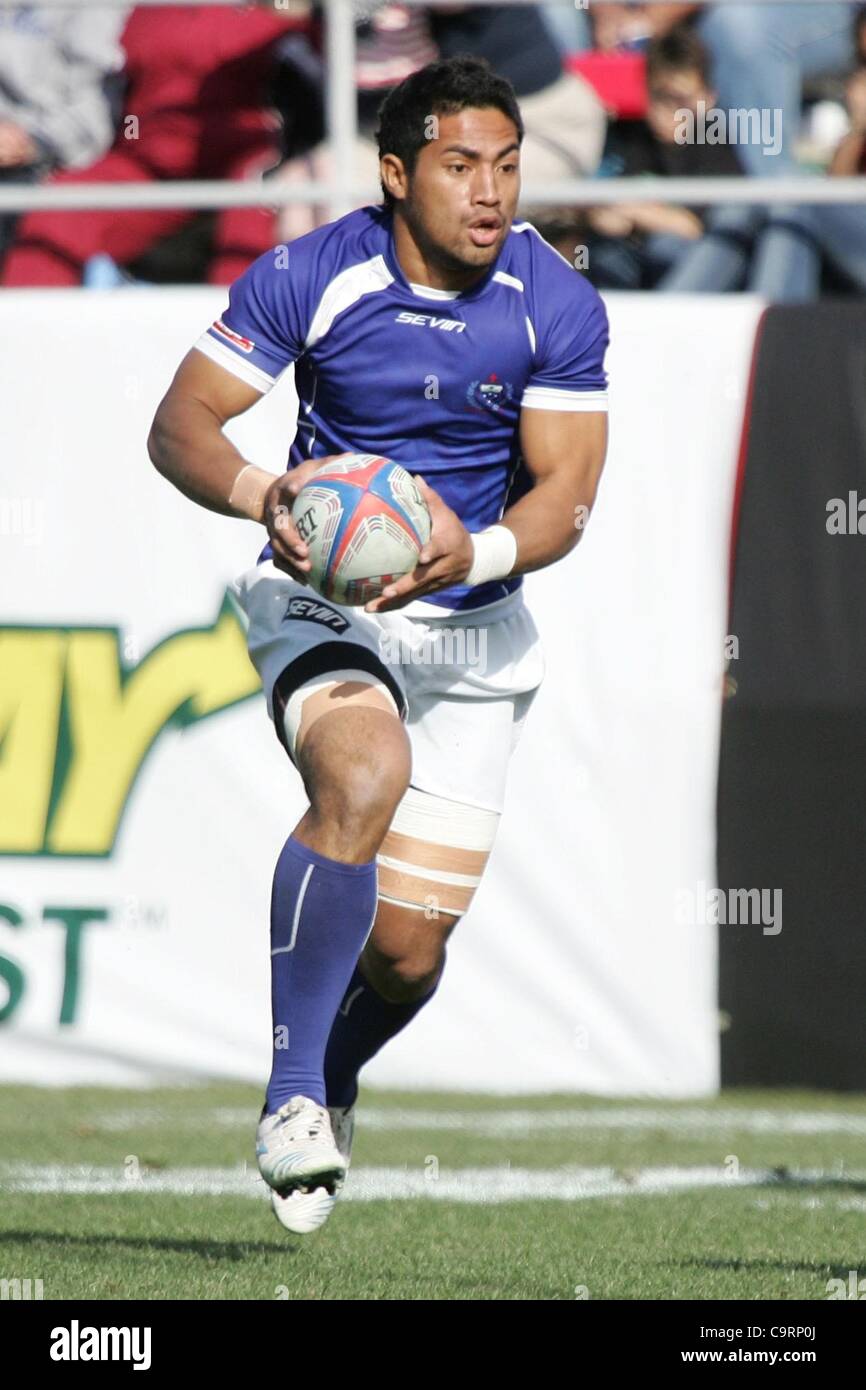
(342, 192)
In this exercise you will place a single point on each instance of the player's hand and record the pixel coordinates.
(291, 554)
(446, 559)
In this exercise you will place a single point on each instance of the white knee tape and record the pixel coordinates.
(434, 854)
(292, 716)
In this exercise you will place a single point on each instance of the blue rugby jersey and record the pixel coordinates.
(434, 379)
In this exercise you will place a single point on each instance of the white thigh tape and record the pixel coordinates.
(423, 816)
(434, 853)
(292, 716)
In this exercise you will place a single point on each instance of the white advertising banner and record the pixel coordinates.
(144, 797)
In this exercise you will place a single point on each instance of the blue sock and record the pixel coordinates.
(363, 1024)
(321, 914)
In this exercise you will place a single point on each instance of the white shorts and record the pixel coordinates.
(463, 682)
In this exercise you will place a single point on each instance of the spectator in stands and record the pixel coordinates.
(635, 245)
(799, 243)
(760, 53)
(391, 42)
(570, 26)
(850, 156)
(59, 77)
(565, 122)
(196, 107)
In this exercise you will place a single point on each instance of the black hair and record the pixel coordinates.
(680, 50)
(439, 89)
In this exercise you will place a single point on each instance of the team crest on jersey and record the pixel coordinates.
(245, 344)
(311, 610)
(492, 394)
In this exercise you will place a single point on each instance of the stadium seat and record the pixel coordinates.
(618, 78)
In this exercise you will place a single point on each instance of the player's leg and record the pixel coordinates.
(465, 720)
(337, 711)
(405, 954)
(404, 957)
(396, 976)
(430, 865)
(350, 747)
(354, 759)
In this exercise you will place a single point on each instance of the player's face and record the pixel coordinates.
(462, 195)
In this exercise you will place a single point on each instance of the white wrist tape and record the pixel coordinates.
(495, 554)
(248, 491)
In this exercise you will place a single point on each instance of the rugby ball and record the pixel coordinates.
(364, 520)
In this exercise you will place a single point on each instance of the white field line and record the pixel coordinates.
(693, 1120)
(818, 1203)
(500, 1183)
(494, 1124)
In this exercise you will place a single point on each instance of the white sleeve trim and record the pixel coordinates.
(555, 398)
(224, 357)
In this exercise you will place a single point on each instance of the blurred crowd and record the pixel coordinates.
(156, 94)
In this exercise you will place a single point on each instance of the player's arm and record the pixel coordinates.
(187, 446)
(564, 451)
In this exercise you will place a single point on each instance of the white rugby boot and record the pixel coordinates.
(295, 1147)
(302, 1211)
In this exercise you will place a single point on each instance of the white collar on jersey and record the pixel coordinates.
(428, 292)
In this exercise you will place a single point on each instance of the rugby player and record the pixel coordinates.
(434, 330)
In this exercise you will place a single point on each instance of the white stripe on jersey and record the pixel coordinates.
(238, 366)
(345, 290)
(555, 398)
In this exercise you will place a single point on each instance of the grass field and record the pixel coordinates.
(154, 1194)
